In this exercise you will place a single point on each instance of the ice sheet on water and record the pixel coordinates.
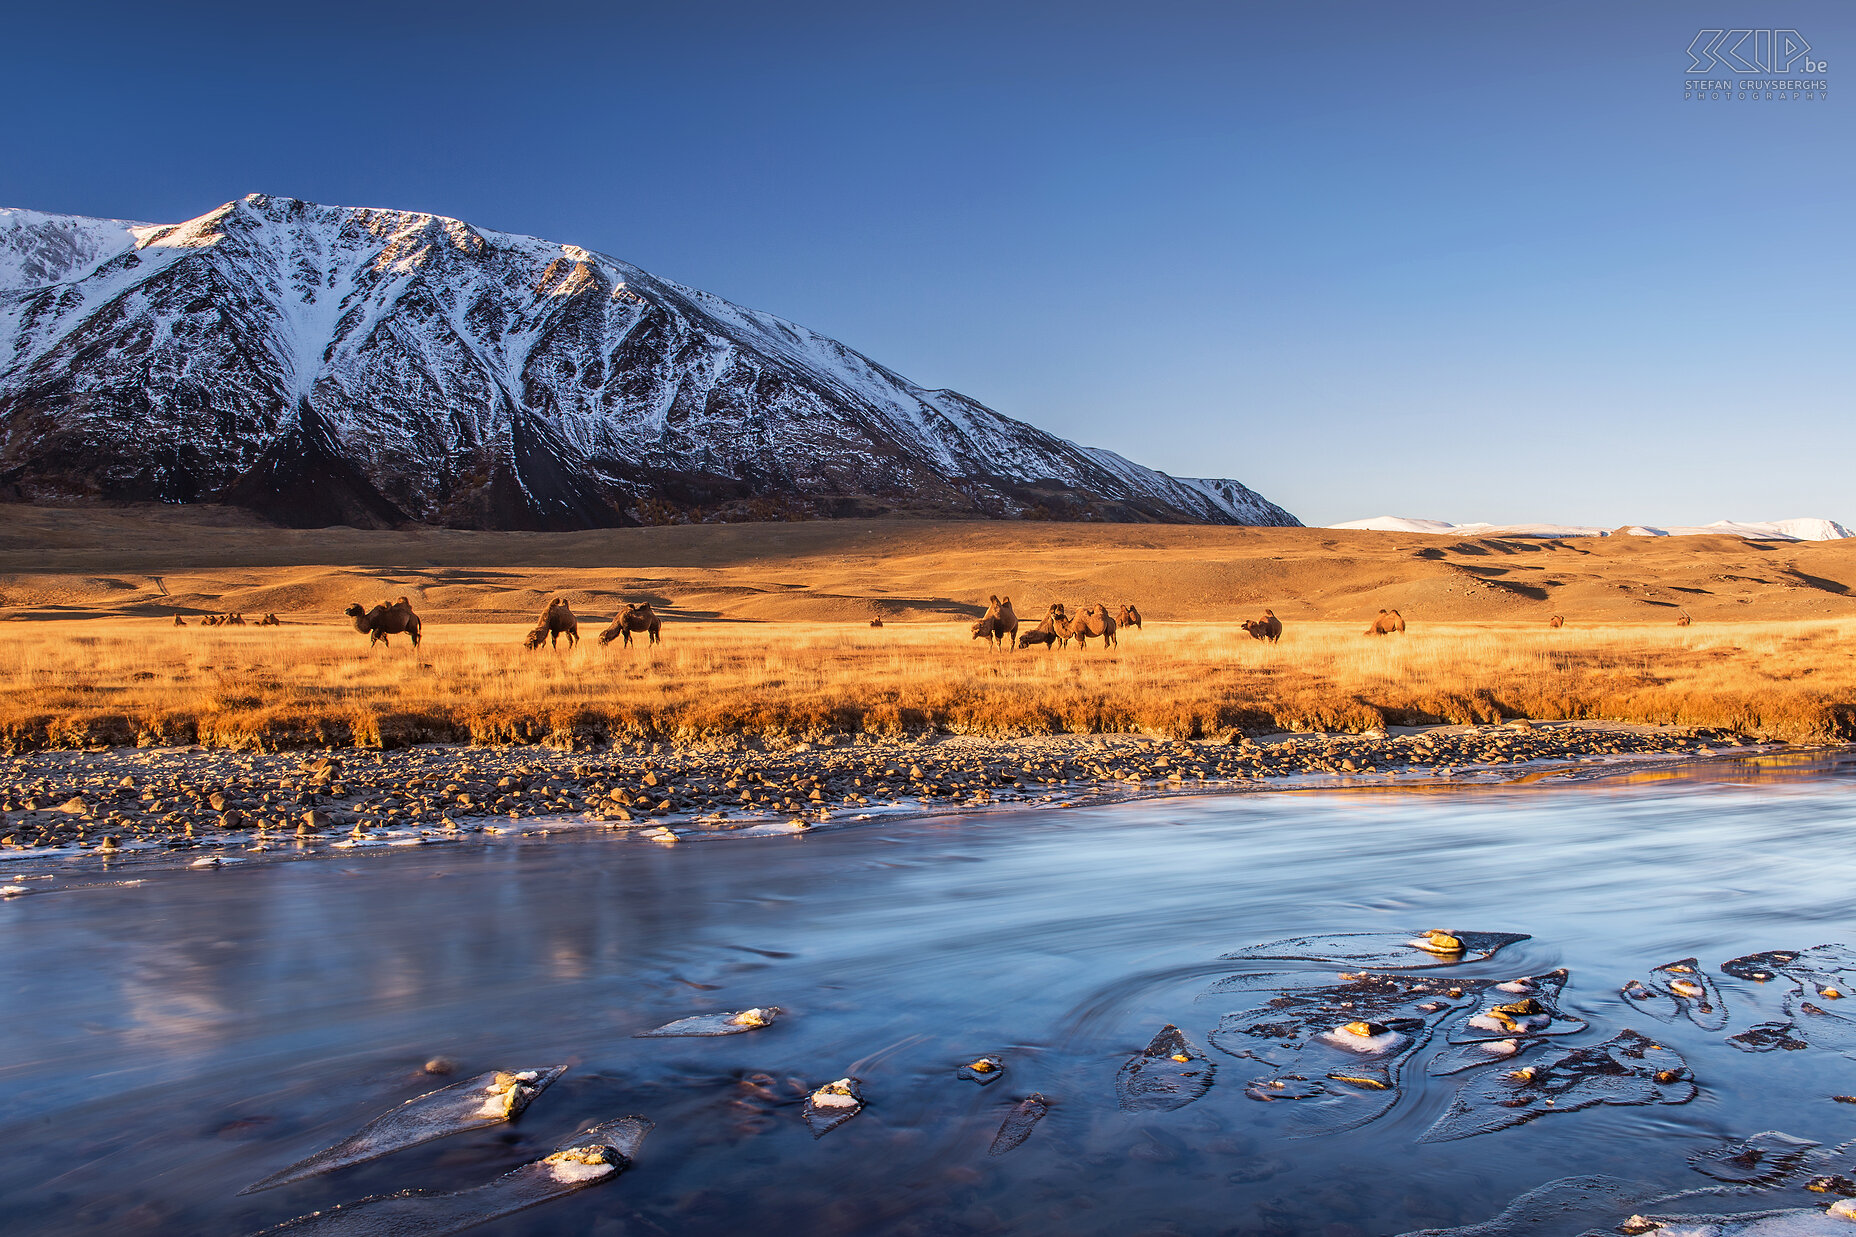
(1676, 990)
(1553, 1209)
(1627, 1069)
(487, 1099)
(1169, 1073)
(832, 1105)
(1525, 1008)
(983, 1070)
(1818, 971)
(1789, 1222)
(1821, 1028)
(1763, 1159)
(1455, 1058)
(600, 1154)
(1767, 1036)
(1403, 951)
(730, 1022)
(1338, 1049)
(1019, 1123)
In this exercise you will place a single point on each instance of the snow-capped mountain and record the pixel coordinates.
(333, 365)
(1803, 528)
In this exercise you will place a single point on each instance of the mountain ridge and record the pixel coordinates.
(325, 364)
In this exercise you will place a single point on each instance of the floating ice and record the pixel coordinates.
(1766, 1036)
(983, 1070)
(832, 1105)
(727, 1023)
(1169, 1073)
(487, 1099)
(1823, 1029)
(1825, 968)
(1384, 950)
(1557, 1207)
(597, 1155)
(1789, 1222)
(1534, 1015)
(1339, 1048)
(1626, 1069)
(1365, 1037)
(1679, 989)
(1763, 1159)
(1019, 1122)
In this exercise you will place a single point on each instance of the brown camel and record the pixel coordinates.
(179, 621)
(999, 625)
(1269, 627)
(1129, 617)
(1683, 620)
(633, 618)
(876, 622)
(1054, 627)
(557, 620)
(269, 620)
(1388, 622)
(386, 620)
(235, 620)
(1094, 621)
(1556, 622)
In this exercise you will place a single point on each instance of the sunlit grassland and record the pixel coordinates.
(76, 683)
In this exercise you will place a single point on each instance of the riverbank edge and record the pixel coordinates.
(224, 805)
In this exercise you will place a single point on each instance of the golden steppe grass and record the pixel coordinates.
(77, 683)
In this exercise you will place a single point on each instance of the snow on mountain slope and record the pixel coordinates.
(328, 364)
(38, 249)
(1802, 529)
(1805, 528)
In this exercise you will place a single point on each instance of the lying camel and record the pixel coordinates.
(269, 620)
(1056, 626)
(179, 621)
(876, 622)
(633, 618)
(1388, 622)
(1269, 627)
(557, 620)
(385, 620)
(1556, 622)
(1129, 617)
(1094, 621)
(1683, 620)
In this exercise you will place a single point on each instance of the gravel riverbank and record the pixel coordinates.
(123, 801)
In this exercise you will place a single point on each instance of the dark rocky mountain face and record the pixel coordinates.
(327, 365)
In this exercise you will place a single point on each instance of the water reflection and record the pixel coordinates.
(165, 1044)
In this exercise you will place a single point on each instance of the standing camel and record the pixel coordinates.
(633, 618)
(999, 625)
(1094, 621)
(1129, 617)
(1269, 627)
(557, 620)
(1055, 626)
(385, 620)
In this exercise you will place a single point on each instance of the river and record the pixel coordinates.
(170, 1037)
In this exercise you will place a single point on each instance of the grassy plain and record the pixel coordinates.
(128, 681)
(766, 631)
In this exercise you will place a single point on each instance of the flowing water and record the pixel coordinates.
(164, 1044)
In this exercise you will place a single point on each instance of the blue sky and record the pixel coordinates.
(1465, 261)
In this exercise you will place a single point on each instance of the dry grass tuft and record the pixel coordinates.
(70, 684)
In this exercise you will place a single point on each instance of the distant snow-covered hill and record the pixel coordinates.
(1805, 528)
(332, 365)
